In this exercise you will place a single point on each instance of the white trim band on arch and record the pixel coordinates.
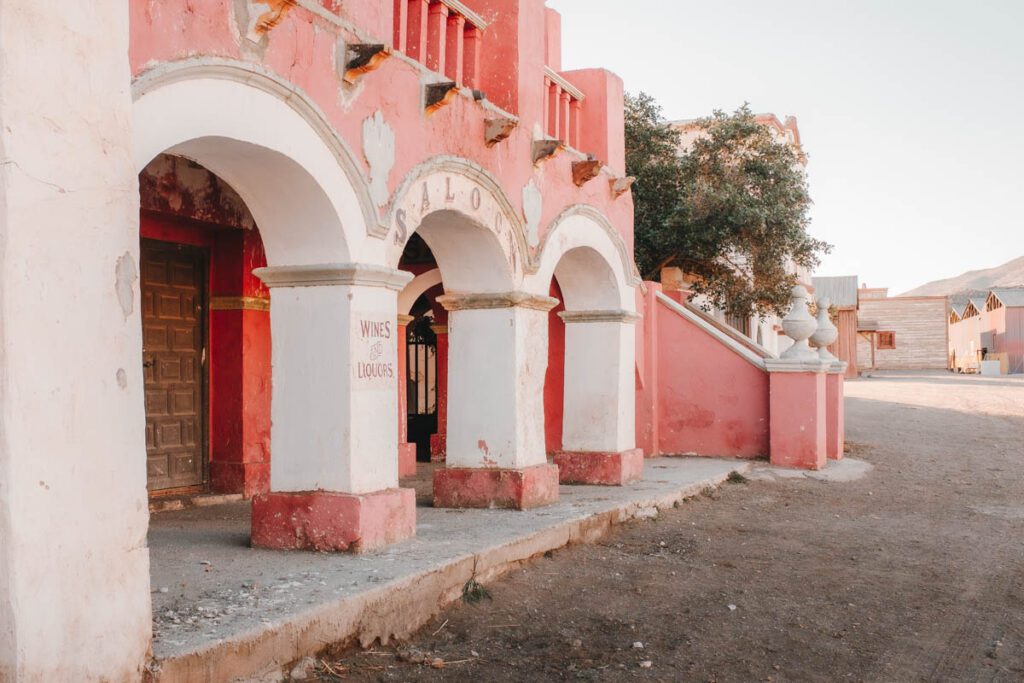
(326, 274)
(609, 316)
(464, 302)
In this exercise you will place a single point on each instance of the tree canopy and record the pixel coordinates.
(730, 209)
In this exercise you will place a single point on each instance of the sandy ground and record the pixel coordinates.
(913, 572)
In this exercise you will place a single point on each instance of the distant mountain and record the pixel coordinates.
(975, 282)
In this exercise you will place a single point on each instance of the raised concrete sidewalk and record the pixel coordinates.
(224, 611)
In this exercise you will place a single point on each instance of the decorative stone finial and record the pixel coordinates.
(826, 333)
(799, 326)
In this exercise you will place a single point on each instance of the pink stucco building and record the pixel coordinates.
(284, 248)
(988, 328)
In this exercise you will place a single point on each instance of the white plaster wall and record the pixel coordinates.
(74, 579)
(498, 358)
(599, 400)
(331, 429)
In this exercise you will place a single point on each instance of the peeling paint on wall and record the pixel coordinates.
(124, 282)
(379, 150)
(533, 205)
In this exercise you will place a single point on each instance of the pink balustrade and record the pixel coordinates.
(444, 35)
(562, 108)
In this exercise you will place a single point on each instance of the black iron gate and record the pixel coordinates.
(421, 385)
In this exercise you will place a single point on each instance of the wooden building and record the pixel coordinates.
(842, 295)
(901, 333)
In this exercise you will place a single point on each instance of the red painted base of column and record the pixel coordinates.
(248, 478)
(600, 468)
(438, 447)
(406, 460)
(326, 521)
(464, 487)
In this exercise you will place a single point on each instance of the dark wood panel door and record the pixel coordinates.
(173, 291)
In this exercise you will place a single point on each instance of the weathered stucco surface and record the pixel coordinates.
(74, 568)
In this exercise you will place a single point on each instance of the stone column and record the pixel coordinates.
(406, 450)
(797, 390)
(334, 445)
(438, 441)
(74, 567)
(825, 335)
(495, 442)
(599, 415)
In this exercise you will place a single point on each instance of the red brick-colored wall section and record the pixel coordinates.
(240, 368)
(554, 379)
(553, 39)
(711, 401)
(512, 61)
(602, 128)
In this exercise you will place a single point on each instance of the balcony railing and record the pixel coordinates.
(444, 35)
(562, 108)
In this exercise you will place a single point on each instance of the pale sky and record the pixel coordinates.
(912, 111)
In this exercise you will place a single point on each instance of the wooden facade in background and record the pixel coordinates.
(920, 325)
(845, 346)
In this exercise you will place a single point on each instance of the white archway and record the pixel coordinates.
(590, 262)
(267, 141)
(461, 212)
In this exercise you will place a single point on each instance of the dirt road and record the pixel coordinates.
(914, 572)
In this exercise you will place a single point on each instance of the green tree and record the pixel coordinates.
(730, 210)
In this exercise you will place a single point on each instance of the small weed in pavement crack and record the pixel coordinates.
(736, 478)
(473, 592)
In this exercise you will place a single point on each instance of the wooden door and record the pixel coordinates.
(173, 340)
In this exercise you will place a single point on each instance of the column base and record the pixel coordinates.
(248, 478)
(438, 447)
(326, 521)
(464, 487)
(406, 460)
(600, 468)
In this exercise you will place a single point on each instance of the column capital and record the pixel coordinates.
(796, 365)
(838, 367)
(462, 302)
(328, 274)
(404, 319)
(605, 316)
(439, 329)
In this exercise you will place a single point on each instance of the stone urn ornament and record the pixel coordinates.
(826, 334)
(799, 326)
